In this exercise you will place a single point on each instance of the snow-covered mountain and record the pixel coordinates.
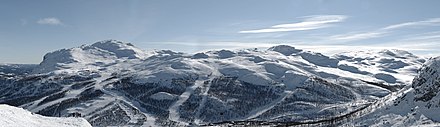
(415, 105)
(390, 65)
(17, 117)
(114, 83)
(98, 54)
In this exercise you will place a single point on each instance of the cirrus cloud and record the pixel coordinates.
(381, 32)
(50, 21)
(428, 22)
(308, 23)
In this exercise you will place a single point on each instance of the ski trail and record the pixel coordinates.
(134, 116)
(174, 109)
(202, 103)
(260, 110)
(68, 95)
(102, 85)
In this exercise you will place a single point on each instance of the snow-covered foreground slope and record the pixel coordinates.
(17, 117)
(415, 105)
(115, 83)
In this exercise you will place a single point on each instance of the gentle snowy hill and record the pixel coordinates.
(391, 66)
(115, 83)
(17, 117)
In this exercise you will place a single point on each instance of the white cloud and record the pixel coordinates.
(425, 41)
(309, 23)
(50, 21)
(382, 31)
(221, 44)
(429, 22)
(426, 50)
(425, 44)
(358, 36)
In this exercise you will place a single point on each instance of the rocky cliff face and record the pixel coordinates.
(427, 84)
(427, 89)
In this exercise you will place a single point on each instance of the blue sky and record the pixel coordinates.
(29, 29)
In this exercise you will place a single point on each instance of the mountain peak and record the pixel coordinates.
(396, 53)
(113, 43)
(118, 48)
(284, 49)
(102, 52)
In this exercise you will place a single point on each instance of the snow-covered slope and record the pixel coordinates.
(389, 66)
(98, 54)
(415, 105)
(16, 69)
(17, 117)
(115, 83)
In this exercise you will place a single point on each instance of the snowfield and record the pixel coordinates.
(112, 83)
(414, 105)
(17, 117)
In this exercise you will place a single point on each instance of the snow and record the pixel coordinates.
(386, 77)
(256, 78)
(293, 79)
(174, 109)
(414, 105)
(319, 59)
(284, 49)
(163, 96)
(99, 54)
(17, 117)
(396, 53)
(260, 110)
(200, 56)
(352, 69)
(117, 96)
(223, 54)
(275, 68)
(280, 66)
(399, 64)
(120, 49)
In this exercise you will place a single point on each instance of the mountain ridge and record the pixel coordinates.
(166, 88)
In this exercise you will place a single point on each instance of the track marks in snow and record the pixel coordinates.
(260, 110)
(102, 84)
(174, 109)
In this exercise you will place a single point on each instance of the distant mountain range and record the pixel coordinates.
(115, 83)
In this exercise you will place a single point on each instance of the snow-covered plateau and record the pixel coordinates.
(113, 83)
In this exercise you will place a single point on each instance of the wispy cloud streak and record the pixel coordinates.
(358, 36)
(385, 30)
(50, 21)
(429, 22)
(308, 23)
